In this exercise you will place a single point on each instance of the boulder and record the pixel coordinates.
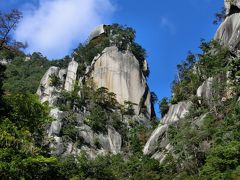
(97, 32)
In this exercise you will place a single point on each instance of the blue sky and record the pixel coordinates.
(166, 29)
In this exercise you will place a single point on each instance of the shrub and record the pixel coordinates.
(97, 119)
(55, 80)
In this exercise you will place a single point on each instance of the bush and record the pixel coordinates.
(221, 161)
(116, 35)
(55, 81)
(163, 106)
(97, 119)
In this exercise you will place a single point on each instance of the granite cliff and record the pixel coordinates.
(116, 71)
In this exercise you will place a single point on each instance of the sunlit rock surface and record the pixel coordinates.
(71, 75)
(158, 138)
(229, 31)
(120, 73)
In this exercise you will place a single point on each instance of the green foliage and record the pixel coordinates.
(85, 53)
(109, 167)
(105, 98)
(97, 119)
(138, 136)
(220, 16)
(8, 55)
(22, 153)
(2, 69)
(214, 59)
(27, 111)
(67, 101)
(221, 161)
(69, 129)
(20, 73)
(164, 106)
(197, 68)
(116, 35)
(128, 108)
(120, 36)
(55, 80)
(205, 146)
(187, 81)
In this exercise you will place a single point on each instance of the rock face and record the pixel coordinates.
(46, 90)
(158, 138)
(120, 73)
(229, 31)
(176, 112)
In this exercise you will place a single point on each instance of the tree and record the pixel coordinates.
(221, 161)
(154, 98)
(8, 23)
(2, 69)
(163, 106)
(97, 119)
(220, 16)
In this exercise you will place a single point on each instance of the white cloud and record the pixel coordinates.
(55, 27)
(168, 25)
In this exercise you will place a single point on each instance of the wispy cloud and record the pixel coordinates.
(168, 25)
(55, 27)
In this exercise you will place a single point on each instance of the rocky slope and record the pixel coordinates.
(158, 145)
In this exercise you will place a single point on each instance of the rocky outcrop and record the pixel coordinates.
(120, 72)
(176, 112)
(71, 75)
(229, 31)
(46, 91)
(158, 138)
